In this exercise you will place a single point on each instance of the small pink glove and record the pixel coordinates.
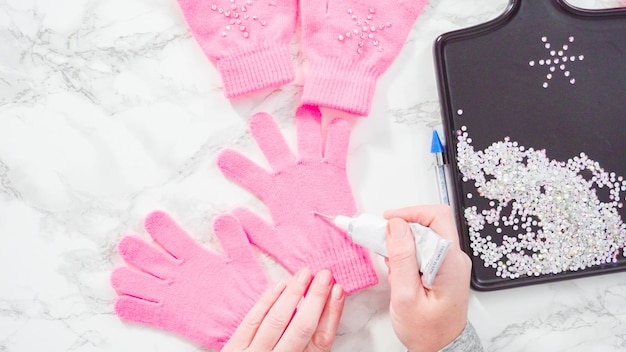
(314, 181)
(179, 286)
(349, 45)
(248, 41)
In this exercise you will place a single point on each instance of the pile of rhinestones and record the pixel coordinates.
(544, 216)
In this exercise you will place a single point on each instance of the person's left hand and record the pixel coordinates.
(271, 324)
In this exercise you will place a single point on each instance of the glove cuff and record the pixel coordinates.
(261, 66)
(349, 263)
(340, 84)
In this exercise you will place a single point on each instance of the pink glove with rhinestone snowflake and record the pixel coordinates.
(248, 41)
(349, 45)
(179, 286)
(314, 181)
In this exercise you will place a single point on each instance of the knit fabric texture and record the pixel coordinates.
(246, 40)
(179, 286)
(349, 45)
(315, 180)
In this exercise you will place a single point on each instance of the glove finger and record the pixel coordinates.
(308, 126)
(264, 235)
(166, 232)
(145, 257)
(138, 310)
(233, 239)
(135, 283)
(243, 171)
(337, 141)
(271, 142)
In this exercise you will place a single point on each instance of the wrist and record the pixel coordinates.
(436, 337)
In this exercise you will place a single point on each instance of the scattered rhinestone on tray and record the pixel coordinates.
(544, 216)
(365, 31)
(237, 17)
(558, 59)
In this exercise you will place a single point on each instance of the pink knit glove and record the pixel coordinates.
(349, 44)
(179, 286)
(315, 180)
(246, 40)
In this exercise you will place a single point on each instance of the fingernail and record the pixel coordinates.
(303, 276)
(279, 286)
(337, 292)
(397, 228)
(324, 277)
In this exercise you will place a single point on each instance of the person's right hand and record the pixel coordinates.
(426, 319)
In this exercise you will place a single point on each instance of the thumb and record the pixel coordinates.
(404, 277)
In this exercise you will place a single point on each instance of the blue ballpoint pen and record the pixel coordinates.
(436, 148)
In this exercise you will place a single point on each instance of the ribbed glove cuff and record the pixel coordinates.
(339, 84)
(259, 67)
(349, 263)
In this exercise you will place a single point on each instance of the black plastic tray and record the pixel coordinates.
(493, 74)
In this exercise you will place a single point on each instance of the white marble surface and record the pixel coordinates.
(109, 109)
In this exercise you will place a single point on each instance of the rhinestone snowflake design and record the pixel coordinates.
(364, 31)
(238, 18)
(544, 216)
(557, 60)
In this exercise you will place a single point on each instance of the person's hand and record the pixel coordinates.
(271, 324)
(426, 319)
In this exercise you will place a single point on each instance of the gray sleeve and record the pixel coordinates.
(468, 341)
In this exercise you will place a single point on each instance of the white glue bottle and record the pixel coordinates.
(369, 231)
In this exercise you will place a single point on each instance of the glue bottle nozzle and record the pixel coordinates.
(324, 215)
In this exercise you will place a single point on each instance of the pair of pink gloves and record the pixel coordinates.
(348, 43)
(178, 285)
